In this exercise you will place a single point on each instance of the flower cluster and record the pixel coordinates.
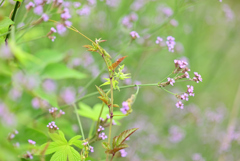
(128, 20)
(12, 135)
(125, 107)
(52, 126)
(28, 155)
(123, 153)
(100, 128)
(53, 112)
(134, 35)
(102, 136)
(170, 42)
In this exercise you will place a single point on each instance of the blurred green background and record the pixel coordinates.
(208, 37)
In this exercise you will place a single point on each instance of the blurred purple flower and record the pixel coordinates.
(15, 94)
(5, 52)
(45, 17)
(179, 104)
(68, 95)
(38, 10)
(176, 134)
(123, 153)
(134, 35)
(29, 6)
(61, 29)
(85, 11)
(76, 4)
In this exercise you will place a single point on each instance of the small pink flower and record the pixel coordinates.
(179, 104)
(171, 81)
(134, 35)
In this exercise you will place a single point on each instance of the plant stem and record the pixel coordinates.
(167, 91)
(32, 39)
(166, 77)
(112, 158)
(79, 121)
(1, 2)
(99, 117)
(12, 18)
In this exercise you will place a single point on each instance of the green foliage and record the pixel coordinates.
(62, 148)
(4, 25)
(60, 71)
(92, 113)
(118, 142)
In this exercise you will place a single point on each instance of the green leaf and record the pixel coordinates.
(4, 25)
(73, 139)
(23, 57)
(59, 137)
(52, 147)
(48, 56)
(106, 145)
(101, 92)
(18, 0)
(92, 113)
(78, 143)
(116, 149)
(72, 154)
(117, 140)
(60, 155)
(60, 71)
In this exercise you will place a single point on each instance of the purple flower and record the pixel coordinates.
(167, 11)
(125, 107)
(113, 3)
(159, 40)
(197, 77)
(68, 23)
(85, 11)
(49, 85)
(45, 17)
(29, 155)
(38, 10)
(100, 128)
(170, 43)
(91, 149)
(102, 136)
(52, 110)
(15, 94)
(5, 52)
(171, 81)
(176, 134)
(61, 29)
(174, 22)
(76, 4)
(38, 2)
(184, 97)
(31, 142)
(123, 153)
(85, 143)
(53, 29)
(190, 90)
(91, 2)
(179, 104)
(180, 63)
(52, 126)
(134, 35)
(68, 95)
(66, 15)
(29, 6)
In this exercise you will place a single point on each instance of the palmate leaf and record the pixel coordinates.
(63, 149)
(118, 140)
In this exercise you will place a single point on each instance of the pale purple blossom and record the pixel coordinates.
(15, 94)
(159, 40)
(61, 29)
(171, 81)
(102, 136)
(29, 6)
(180, 64)
(91, 2)
(52, 126)
(68, 95)
(85, 11)
(113, 3)
(31, 142)
(190, 90)
(38, 10)
(123, 153)
(85, 143)
(91, 149)
(125, 107)
(76, 4)
(197, 77)
(184, 96)
(113, 122)
(170, 43)
(45, 17)
(53, 110)
(49, 85)
(66, 15)
(134, 35)
(52, 38)
(38, 2)
(174, 22)
(176, 134)
(5, 52)
(29, 155)
(68, 23)
(179, 104)
(197, 157)
(100, 128)
(167, 11)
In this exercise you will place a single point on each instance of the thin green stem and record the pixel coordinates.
(2, 2)
(79, 121)
(91, 130)
(167, 91)
(32, 39)
(12, 18)
(165, 77)
(99, 117)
